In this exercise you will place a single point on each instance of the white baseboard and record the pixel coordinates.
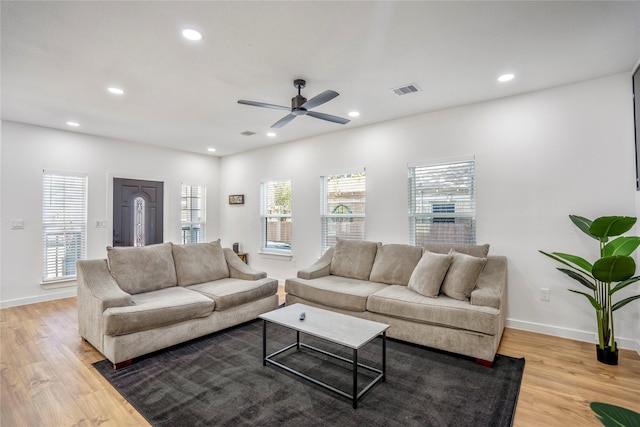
(67, 293)
(572, 334)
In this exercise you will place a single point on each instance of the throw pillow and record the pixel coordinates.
(462, 275)
(353, 258)
(199, 263)
(428, 275)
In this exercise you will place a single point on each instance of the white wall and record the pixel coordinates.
(539, 157)
(27, 150)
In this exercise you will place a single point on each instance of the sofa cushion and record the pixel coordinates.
(199, 263)
(155, 309)
(480, 251)
(142, 269)
(353, 258)
(229, 293)
(402, 302)
(428, 275)
(334, 291)
(394, 263)
(462, 275)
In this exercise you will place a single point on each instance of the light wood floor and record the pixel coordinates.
(47, 378)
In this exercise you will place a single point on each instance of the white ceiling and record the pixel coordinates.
(58, 58)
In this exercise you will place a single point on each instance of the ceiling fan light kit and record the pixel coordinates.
(300, 106)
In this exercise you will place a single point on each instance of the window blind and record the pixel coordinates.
(192, 213)
(64, 224)
(343, 207)
(276, 212)
(442, 203)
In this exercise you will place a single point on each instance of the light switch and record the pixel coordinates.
(17, 224)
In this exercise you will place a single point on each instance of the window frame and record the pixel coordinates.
(266, 216)
(437, 207)
(64, 214)
(326, 216)
(186, 199)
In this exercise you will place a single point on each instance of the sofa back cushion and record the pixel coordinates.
(199, 263)
(394, 263)
(142, 269)
(478, 251)
(353, 258)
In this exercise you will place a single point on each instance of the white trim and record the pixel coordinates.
(572, 334)
(70, 292)
(434, 162)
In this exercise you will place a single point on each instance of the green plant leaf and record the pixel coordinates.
(607, 226)
(574, 259)
(591, 299)
(613, 268)
(615, 416)
(624, 284)
(624, 302)
(579, 277)
(582, 223)
(622, 246)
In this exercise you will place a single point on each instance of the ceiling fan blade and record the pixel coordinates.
(325, 96)
(328, 117)
(262, 104)
(283, 121)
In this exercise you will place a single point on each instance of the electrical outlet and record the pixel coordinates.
(545, 294)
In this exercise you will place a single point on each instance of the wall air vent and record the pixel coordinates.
(406, 89)
(247, 133)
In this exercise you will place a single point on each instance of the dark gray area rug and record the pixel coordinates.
(219, 380)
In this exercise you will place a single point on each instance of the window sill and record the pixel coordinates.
(57, 284)
(276, 255)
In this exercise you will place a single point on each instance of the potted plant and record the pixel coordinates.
(609, 274)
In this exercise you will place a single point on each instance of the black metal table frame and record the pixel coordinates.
(354, 396)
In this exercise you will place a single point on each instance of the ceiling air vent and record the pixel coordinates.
(406, 89)
(247, 133)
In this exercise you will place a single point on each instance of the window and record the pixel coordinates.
(343, 207)
(192, 214)
(64, 224)
(442, 203)
(276, 216)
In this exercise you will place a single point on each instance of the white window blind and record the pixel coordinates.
(442, 203)
(64, 224)
(343, 207)
(192, 213)
(276, 216)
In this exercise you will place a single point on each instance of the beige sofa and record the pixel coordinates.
(449, 298)
(140, 300)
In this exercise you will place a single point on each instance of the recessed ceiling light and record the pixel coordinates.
(211, 150)
(115, 90)
(354, 114)
(191, 34)
(271, 134)
(73, 124)
(505, 78)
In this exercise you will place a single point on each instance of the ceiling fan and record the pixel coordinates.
(300, 106)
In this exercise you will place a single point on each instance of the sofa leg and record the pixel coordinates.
(117, 366)
(486, 363)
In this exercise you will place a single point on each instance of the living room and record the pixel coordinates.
(540, 156)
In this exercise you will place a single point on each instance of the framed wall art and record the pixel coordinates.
(236, 199)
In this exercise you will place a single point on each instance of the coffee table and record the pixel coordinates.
(349, 331)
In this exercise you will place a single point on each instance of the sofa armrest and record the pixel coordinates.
(240, 270)
(97, 291)
(492, 283)
(320, 268)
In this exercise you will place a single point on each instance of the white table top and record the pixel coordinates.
(349, 331)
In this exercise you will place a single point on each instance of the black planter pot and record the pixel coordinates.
(607, 356)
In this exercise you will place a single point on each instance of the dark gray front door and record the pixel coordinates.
(137, 212)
